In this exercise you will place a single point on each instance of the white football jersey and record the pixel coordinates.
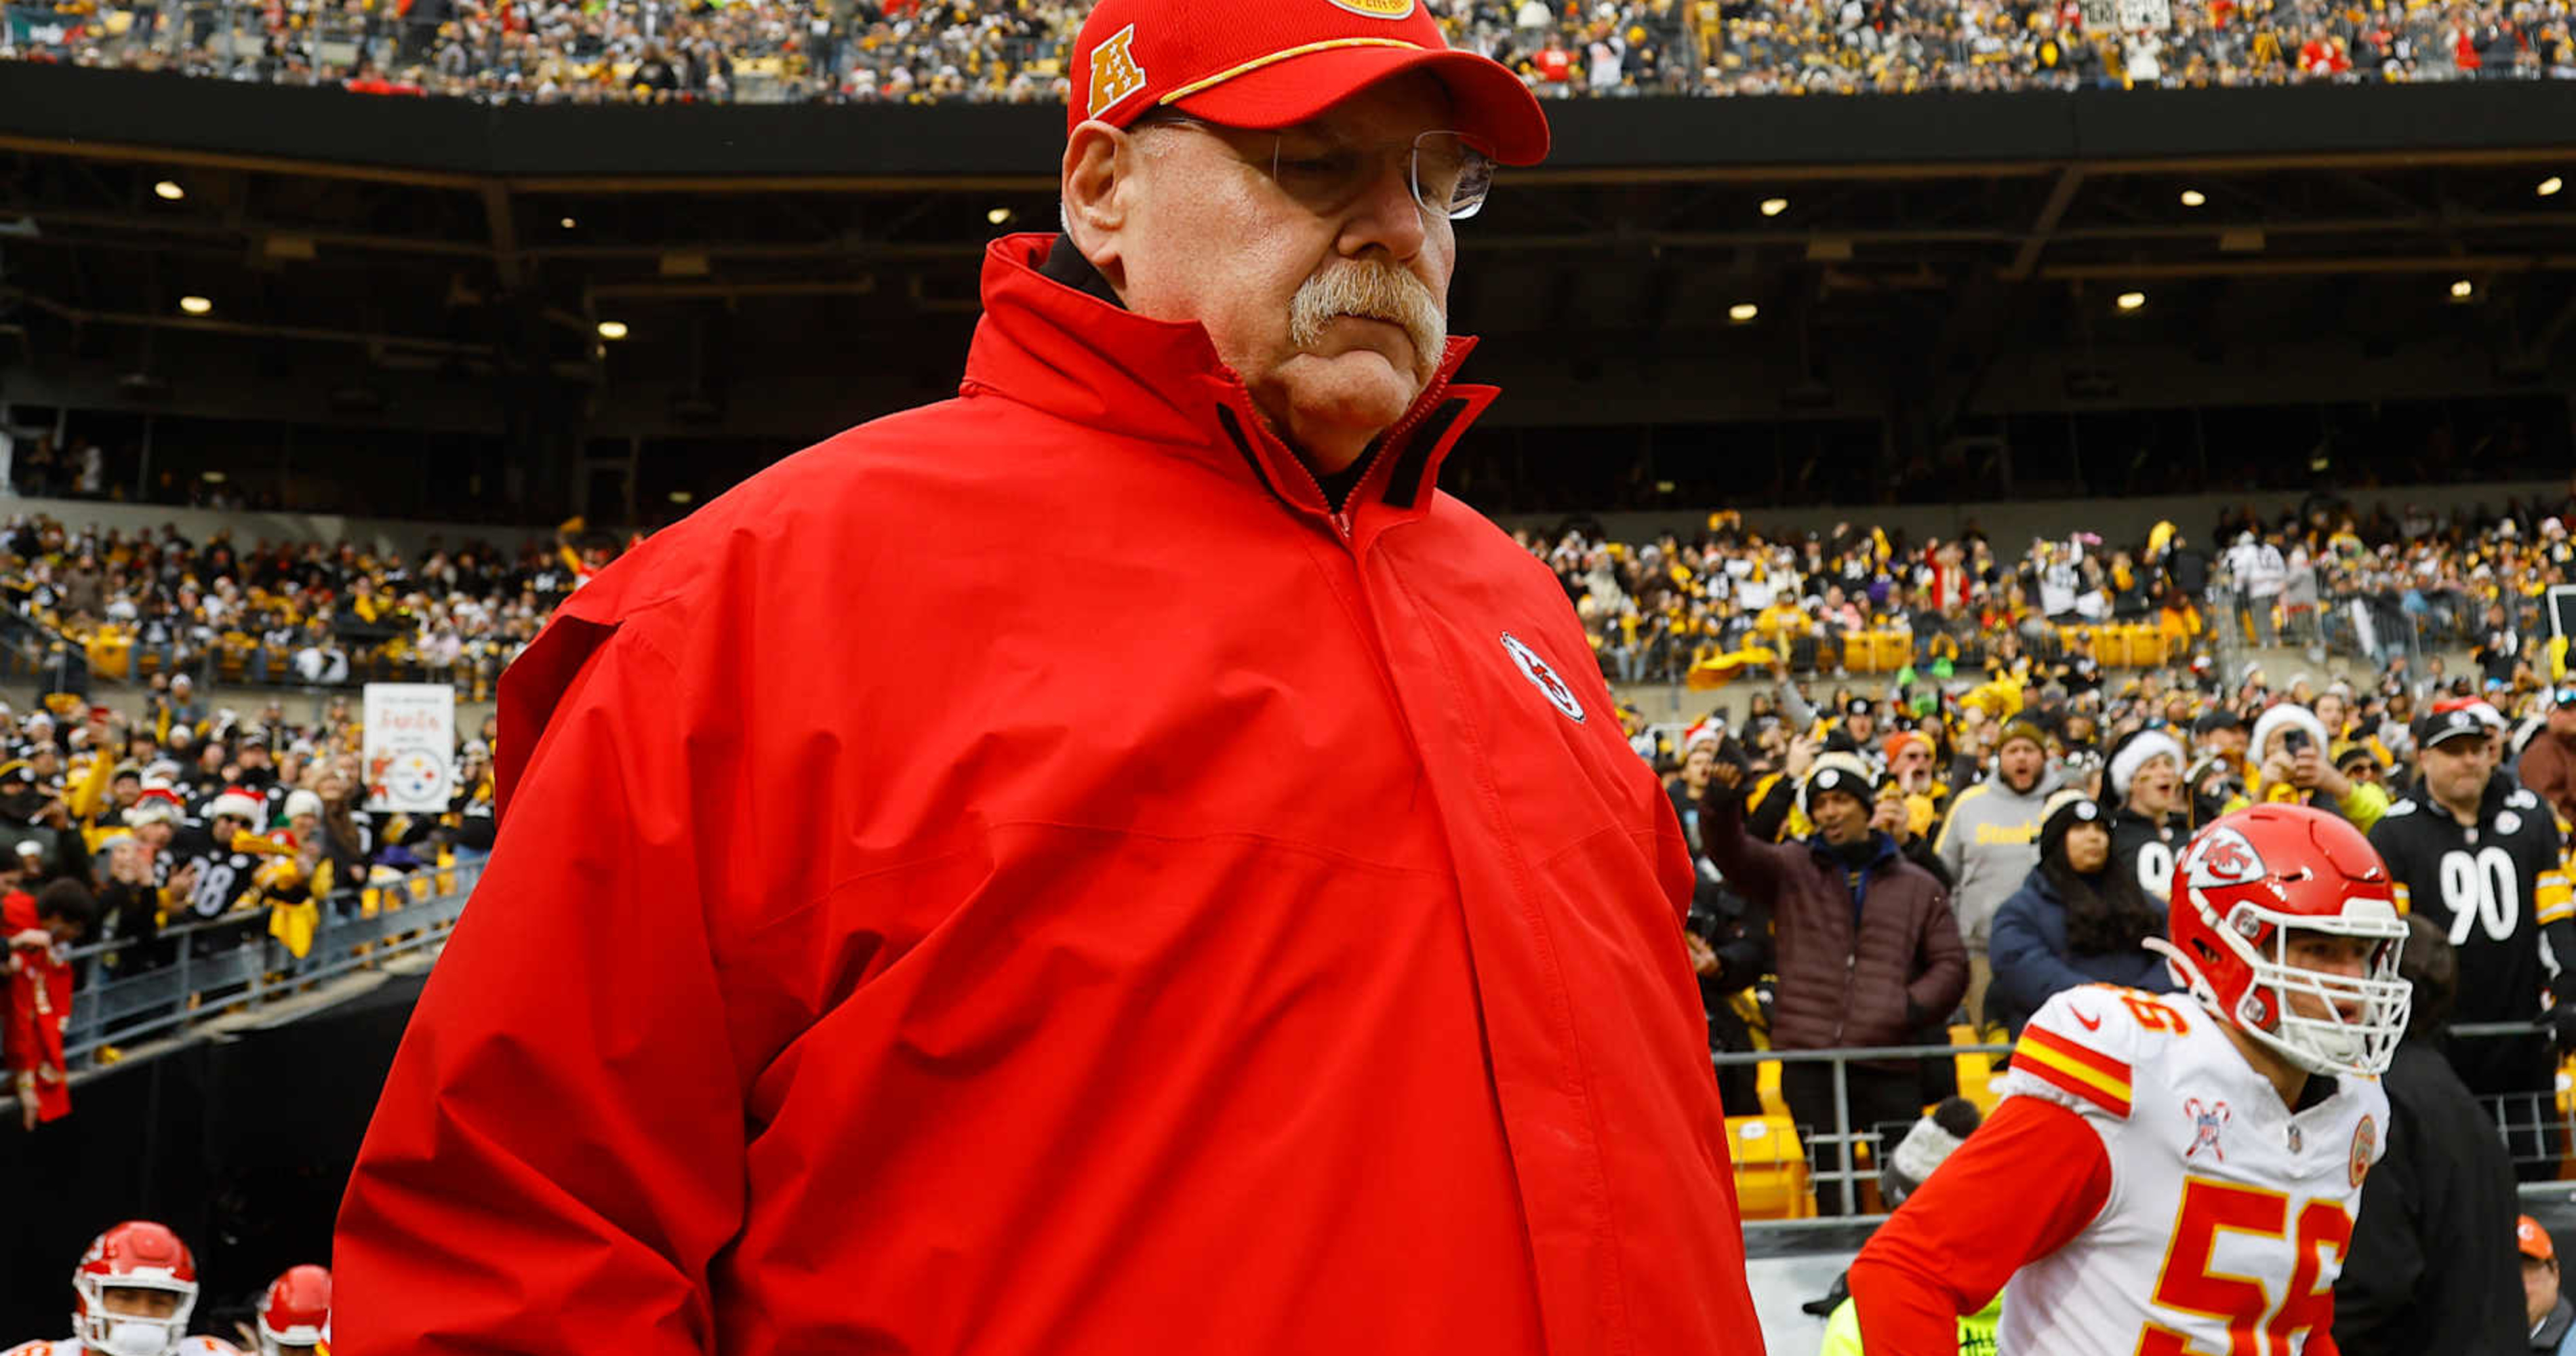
(70, 1346)
(2228, 1217)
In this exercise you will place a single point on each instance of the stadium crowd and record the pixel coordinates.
(1014, 50)
(103, 604)
(2387, 585)
(138, 817)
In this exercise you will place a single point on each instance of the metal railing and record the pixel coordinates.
(245, 968)
(2536, 1134)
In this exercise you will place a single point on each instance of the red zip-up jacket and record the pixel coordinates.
(1025, 876)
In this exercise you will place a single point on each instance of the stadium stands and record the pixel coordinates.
(990, 51)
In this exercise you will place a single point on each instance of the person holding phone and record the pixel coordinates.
(2291, 768)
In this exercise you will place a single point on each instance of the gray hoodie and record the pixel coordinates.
(1990, 841)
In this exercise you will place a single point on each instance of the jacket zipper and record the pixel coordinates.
(1340, 518)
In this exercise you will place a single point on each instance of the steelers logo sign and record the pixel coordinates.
(415, 774)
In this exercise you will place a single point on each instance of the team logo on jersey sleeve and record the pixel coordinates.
(2365, 1145)
(1543, 677)
(2222, 857)
(2207, 1118)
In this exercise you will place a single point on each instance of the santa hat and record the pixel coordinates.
(1709, 730)
(157, 805)
(239, 804)
(2138, 750)
(2288, 715)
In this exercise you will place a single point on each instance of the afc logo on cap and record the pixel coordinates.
(1114, 72)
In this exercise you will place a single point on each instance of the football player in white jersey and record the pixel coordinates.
(2176, 1175)
(131, 1296)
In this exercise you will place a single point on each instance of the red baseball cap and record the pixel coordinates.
(2533, 1241)
(1284, 61)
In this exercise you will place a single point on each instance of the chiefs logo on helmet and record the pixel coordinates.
(2222, 857)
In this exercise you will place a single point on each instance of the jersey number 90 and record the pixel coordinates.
(2481, 890)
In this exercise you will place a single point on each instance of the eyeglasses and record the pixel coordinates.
(2565, 696)
(1448, 175)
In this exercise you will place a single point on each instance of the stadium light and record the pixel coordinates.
(2192, 197)
(168, 190)
(999, 216)
(680, 496)
(612, 329)
(2463, 289)
(569, 223)
(1772, 207)
(195, 305)
(2549, 187)
(1743, 312)
(2130, 301)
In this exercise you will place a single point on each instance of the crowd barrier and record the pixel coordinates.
(1785, 1171)
(219, 967)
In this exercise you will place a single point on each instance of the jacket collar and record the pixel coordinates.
(1882, 849)
(1068, 349)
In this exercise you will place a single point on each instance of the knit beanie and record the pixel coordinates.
(2022, 729)
(1841, 772)
(1933, 1139)
(2058, 817)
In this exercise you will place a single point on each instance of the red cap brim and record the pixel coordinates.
(1490, 104)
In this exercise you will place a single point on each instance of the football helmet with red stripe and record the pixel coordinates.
(2252, 885)
(135, 1255)
(296, 1315)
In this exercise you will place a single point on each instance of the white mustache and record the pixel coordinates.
(1376, 290)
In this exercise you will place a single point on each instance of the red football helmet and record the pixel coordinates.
(2242, 885)
(297, 1312)
(135, 1255)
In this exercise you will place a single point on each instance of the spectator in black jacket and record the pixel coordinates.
(2431, 1266)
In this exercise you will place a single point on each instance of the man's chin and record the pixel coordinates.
(1362, 388)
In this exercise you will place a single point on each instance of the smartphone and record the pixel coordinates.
(2294, 742)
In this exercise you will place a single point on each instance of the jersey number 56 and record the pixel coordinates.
(2257, 1325)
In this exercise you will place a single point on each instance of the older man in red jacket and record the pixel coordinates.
(1116, 862)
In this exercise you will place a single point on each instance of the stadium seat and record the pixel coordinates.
(1857, 652)
(1771, 1177)
(1975, 1072)
(1890, 650)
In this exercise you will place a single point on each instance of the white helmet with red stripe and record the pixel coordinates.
(2243, 887)
(135, 1255)
(297, 1312)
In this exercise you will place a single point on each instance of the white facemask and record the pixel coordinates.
(138, 1337)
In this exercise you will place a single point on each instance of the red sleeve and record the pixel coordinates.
(559, 1151)
(1948, 1250)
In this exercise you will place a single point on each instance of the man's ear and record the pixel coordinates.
(1098, 177)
